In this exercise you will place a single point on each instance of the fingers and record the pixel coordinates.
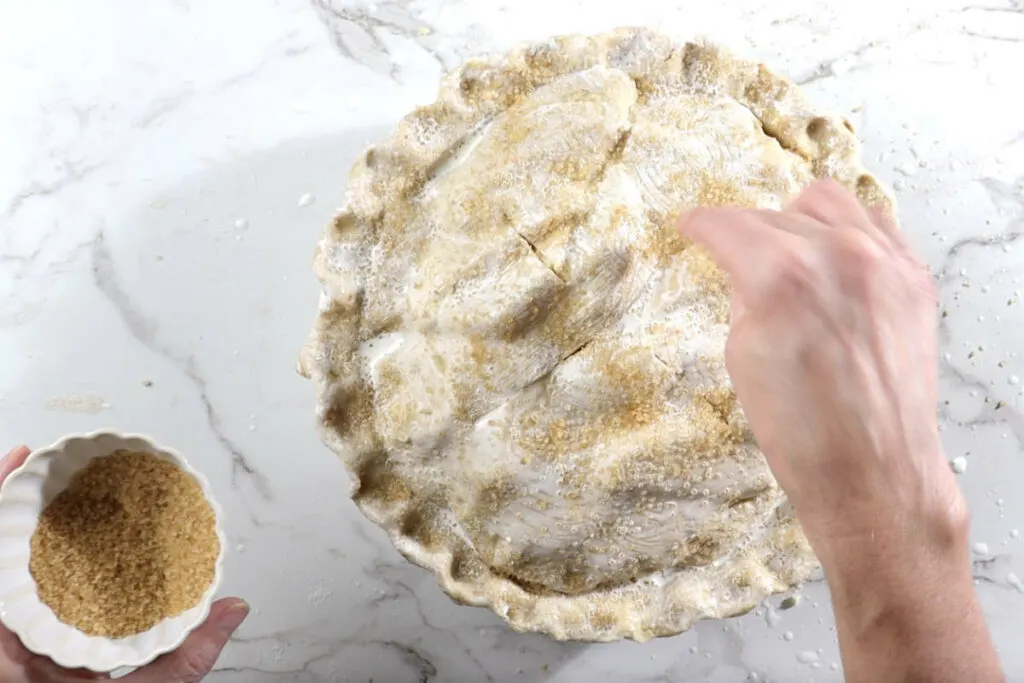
(42, 670)
(190, 663)
(13, 461)
(752, 245)
(829, 202)
(793, 223)
(195, 658)
(832, 204)
(885, 221)
(742, 243)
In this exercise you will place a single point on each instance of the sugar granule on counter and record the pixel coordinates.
(130, 542)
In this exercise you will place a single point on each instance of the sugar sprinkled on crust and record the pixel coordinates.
(520, 360)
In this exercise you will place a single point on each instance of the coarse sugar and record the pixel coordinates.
(131, 541)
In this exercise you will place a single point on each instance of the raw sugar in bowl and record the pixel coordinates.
(111, 551)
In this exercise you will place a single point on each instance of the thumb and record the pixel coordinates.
(195, 658)
(13, 460)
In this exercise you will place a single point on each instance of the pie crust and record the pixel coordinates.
(521, 362)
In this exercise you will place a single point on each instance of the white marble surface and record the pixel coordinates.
(154, 276)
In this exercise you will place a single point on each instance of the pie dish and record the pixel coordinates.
(522, 364)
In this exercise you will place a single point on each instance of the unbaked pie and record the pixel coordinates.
(521, 362)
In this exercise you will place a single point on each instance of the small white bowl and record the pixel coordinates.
(23, 496)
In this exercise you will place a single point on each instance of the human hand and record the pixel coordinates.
(832, 352)
(188, 664)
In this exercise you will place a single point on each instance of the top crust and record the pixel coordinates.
(522, 364)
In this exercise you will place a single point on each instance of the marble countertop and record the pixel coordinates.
(166, 168)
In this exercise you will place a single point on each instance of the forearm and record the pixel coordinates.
(832, 352)
(907, 612)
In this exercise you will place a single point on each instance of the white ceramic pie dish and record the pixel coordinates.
(23, 496)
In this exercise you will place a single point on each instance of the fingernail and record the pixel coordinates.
(232, 617)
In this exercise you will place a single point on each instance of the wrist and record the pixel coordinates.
(906, 608)
(911, 615)
(916, 509)
(898, 553)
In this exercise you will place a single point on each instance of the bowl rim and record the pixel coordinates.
(54, 652)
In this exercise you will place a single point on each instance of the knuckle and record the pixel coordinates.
(926, 284)
(194, 663)
(924, 290)
(795, 274)
(858, 253)
(861, 262)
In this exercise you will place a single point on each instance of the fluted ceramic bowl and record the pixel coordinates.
(23, 496)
